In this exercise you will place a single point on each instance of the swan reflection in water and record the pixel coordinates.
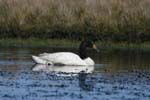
(64, 69)
(81, 71)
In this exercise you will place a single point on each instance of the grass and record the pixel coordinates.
(125, 45)
(37, 42)
(111, 20)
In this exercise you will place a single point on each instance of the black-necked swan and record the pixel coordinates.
(68, 58)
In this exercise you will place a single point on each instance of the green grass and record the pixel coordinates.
(36, 42)
(124, 45)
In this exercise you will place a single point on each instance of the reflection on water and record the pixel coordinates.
(85, 83)
(117, 75)
(20, 58)
(64, 69)
(81, 71)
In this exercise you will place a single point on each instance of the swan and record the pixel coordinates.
(68, 58)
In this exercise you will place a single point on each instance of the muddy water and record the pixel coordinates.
(117, 75)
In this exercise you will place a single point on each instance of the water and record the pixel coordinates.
(117, 75)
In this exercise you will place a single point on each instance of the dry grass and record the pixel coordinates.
(110, 19)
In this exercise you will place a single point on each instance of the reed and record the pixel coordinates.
(110, 20)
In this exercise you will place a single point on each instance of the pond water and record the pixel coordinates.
(117, 75)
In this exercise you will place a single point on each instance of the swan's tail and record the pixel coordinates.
(38, 60)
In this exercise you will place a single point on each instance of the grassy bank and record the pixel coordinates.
(110, 20)
(36, 42)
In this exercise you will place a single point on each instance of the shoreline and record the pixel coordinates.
(36, 42)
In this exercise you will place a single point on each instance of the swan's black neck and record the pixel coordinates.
(82, 50)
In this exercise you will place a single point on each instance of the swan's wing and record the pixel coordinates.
(43, 54)
(89, 61)
(66, 58)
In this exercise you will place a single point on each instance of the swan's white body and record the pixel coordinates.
(62, 58)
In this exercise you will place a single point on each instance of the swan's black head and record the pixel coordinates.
(89, 43)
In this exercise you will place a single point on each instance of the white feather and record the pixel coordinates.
(64, 58)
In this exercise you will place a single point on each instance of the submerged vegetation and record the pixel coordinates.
(109, 20)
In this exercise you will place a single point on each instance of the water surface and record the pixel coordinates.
(117, 75)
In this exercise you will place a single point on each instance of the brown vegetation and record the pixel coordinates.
(111, 20)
